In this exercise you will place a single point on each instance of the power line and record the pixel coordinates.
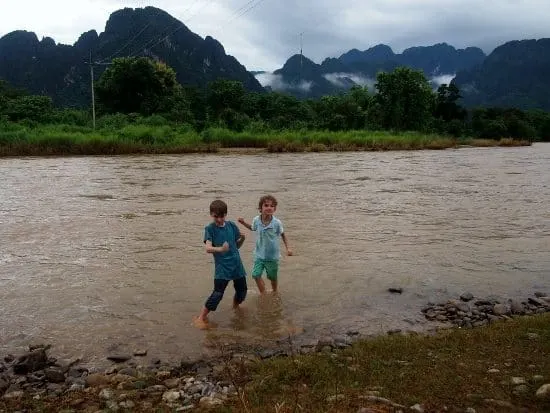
(253, 6)
(128, 42)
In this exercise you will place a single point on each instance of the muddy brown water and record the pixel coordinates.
(105, 254)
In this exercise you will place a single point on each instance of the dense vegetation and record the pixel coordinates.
(142, 108)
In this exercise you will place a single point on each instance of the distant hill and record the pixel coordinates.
(516, 74)
(60, 71)
(440, 61)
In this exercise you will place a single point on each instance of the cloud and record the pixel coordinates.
(339, 79)
(269, 32)
(277, 83)
(442, 79)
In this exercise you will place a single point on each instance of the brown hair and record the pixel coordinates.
(267, 198)
(218, 207)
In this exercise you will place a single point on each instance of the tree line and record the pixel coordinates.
(134, 90)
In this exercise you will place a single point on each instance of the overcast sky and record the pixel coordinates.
(268, 33)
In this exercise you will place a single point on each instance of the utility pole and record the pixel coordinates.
(301, 57)
(93, 93)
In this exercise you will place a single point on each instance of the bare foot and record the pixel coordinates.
(201, 323)
(240, 310)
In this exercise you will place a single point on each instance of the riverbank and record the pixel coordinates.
(44, 140)
(502, 364)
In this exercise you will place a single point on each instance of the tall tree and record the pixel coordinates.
(136, 85)
(405, 99)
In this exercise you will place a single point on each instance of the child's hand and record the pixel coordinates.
(225, 247)
(241, 220)
(289, 252)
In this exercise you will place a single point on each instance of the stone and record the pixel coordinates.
(493, 371)
(543, 391)
(335, 397)
(521, 389)
(54, 375)
(417, 408)
(537, 302)
(14, 395)
(500, 309)
(210, 401)
(171, 396)
(395, 290)
(498, 403)
(96, 380)
(140, 353)
(467, 297)
(119, 358)
(516, 381)
(532, 336)
(32, 361)
(470, 410)
(539, 294)
(464, 307)
(171, 383)
(185, 408)
(106, 394)
(537, 378)
(517, 307)
(128, 371)
(127, 404)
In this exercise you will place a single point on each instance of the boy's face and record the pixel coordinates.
(219, 219)
(268, 208)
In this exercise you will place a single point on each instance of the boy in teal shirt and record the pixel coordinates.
(267, 252)
(223, 239)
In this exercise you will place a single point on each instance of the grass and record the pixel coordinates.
(20, 140)
(449, 369)
(444, 372)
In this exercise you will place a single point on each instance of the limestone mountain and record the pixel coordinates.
(61, 71)
(515, 74)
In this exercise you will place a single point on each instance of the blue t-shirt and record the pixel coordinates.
(227, 265)
(267, 239)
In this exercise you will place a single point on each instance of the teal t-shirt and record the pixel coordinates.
(267, 239)
(227, 265)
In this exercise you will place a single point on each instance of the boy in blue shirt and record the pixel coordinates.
(267, 253)
(223, 239)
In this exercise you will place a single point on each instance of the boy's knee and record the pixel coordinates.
(213, 301)
(240, 296)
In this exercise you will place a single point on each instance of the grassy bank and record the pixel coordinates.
(19, 140)
(452, 371)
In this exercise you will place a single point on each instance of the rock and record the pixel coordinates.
(395, 290)
(543, 391)
(464, 307)
(417, 408)
(96, 380)
(32, 361)
(394, 331)
(441, 317)
(470, 410)
(539, 294)
(532, 336)
(118, 358)
(366, 410)
(14, 395)
(185, 408)
(517, 307)
(54, 375)
(498, 403)
(4, 384)
(128, 371)
(493, 371)
(325, 341)
(467, 297)
(537, 302)
(521, 389)
(210, 401)
(500, 309)
(335, 397)
(127, 404)
(537, 378)
(171, 396)
(106, 394)
(140, 353)
(171, 383)
(516, 381)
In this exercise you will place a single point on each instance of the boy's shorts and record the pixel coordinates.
(271, 269)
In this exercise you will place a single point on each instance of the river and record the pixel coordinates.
(104, 254)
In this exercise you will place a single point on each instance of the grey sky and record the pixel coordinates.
(264, 37)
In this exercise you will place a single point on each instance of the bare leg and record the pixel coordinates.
(202, 320)
(261, 285)
(274, 285)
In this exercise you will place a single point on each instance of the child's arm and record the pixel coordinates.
(287, 246)
(240, 240)
(245, 224)
(212, 250)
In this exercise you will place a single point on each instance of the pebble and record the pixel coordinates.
(516, 381)
(543, 391)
